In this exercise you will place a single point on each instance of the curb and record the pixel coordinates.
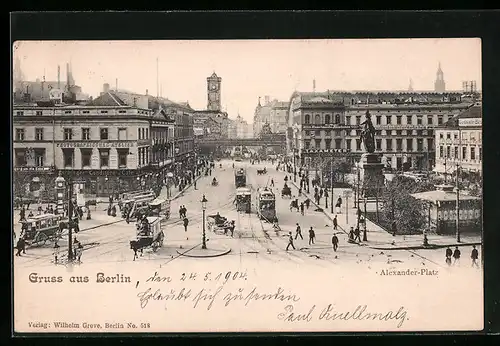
(185, 254)
(421, 247)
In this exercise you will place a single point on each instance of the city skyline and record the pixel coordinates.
(253, 68)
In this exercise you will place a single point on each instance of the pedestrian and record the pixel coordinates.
(351, 234)
(456, 256)
(180, 212)
(20, 246)
(194, 183)
(449, 253)
(312, 235)
(272, 182)
(56, 252)
(298, 232)
(307, 202)
(302, 208)
(335, 242)
(186, 222)
(474, 255)
(335, 224)
(357, 234)
(79, 251)
(290, 241)
(232, 228)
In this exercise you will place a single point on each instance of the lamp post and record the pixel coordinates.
(204, 207)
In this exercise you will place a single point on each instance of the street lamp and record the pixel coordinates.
(204, 207)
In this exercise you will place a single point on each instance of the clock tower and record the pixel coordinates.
(213, 92)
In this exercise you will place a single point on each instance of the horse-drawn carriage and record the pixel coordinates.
(150, 235)
(266, 205)
(217, 222)
(42, 228)
(262, 171)
(286, 191)
(244, 199)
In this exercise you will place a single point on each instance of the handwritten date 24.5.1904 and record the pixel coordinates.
(222, 277)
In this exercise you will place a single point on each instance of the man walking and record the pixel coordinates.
(312, 235)
(290, 241)
(272, 182)
(302, 208)
(357, 235)
(456, 256)
(335, 242)
(449, 253)
(474, 255)
(186, 223)
(335, 224)
(298, 232)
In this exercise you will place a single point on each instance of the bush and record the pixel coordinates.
(398, 205)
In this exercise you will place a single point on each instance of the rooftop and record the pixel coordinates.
(475, 111)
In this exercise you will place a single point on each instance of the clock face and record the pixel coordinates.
(213, 87)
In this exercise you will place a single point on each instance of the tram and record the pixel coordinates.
(240, 178)
(266, 205)
(244, 200)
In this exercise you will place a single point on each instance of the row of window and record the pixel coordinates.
(339, 133)
(82, 112)
(466, 135)
(453, 152)
(378, 120)
(337, 144)
(68, 134)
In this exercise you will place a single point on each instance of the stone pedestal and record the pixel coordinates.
(371, 174)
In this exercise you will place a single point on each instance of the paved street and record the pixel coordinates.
(107, 238)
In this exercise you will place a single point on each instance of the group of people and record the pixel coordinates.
(312, 237)
(455, 254)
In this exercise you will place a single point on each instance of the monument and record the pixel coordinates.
(370, 164)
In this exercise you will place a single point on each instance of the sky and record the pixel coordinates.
(253, 68)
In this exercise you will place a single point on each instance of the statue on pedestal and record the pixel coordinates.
(368, 134)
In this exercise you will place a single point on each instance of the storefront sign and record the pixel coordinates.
(102, 173)
(470, 122)
(33, 169)
(97, 144)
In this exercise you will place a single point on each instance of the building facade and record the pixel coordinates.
(459, 142)
(231, 131)
(214, 84)
(405, 124)
(243, 129)
(274, 113)
(278, 116)
(104, 149)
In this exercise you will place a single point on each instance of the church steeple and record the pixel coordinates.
(439, 84)
(410, 87)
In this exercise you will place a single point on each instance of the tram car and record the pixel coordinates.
(42, 228)
(240, 178)
(266, 205)
(160, 207)
(244, 200)
(137, 202)
(150, 235)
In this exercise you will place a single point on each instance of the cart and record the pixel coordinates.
(160, 207)
(150, 236)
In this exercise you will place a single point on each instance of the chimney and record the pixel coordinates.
(267, 100)
(105, 88)
(59, 77)
(116, 84)
(147, 92)
(67, 76)
(135, 102)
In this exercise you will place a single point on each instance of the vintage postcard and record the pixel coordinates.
(247, 186)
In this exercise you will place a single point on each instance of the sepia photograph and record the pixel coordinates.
(185, 186)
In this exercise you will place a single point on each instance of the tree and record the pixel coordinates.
(401, 207)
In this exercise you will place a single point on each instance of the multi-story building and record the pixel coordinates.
(274, 113)
(231, 131)
(459, 142)
(317, 129)
(243, 130)
(278, 116)
(405, 124)
(104, 148)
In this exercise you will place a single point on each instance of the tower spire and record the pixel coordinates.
(157, 79)
(314, 85)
